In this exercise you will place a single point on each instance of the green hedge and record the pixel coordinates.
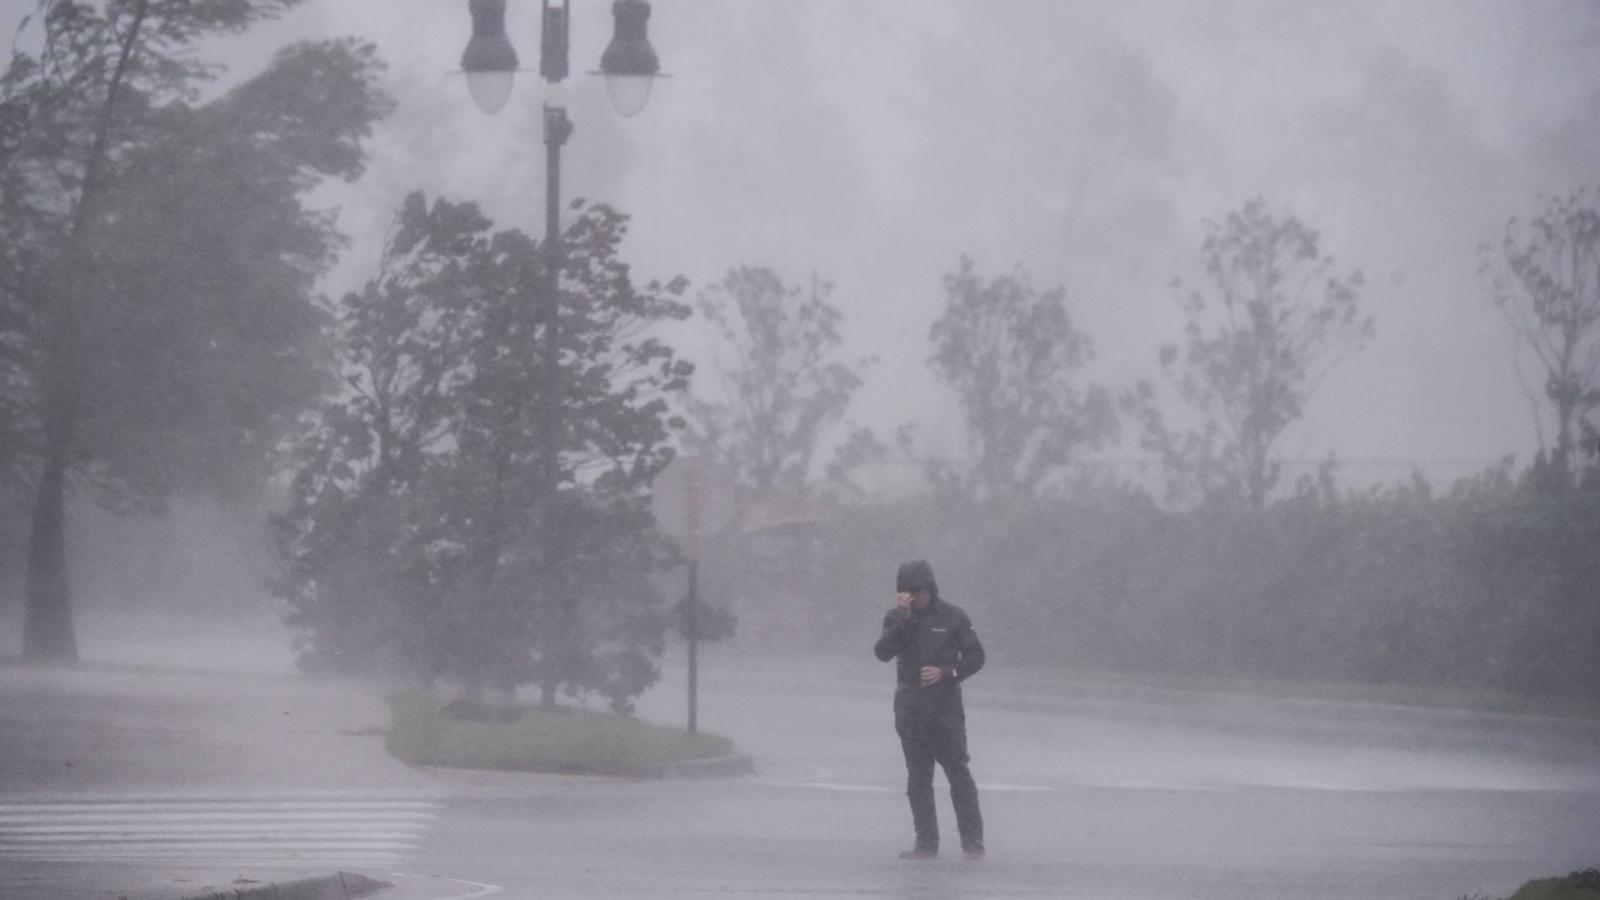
(1488, 587)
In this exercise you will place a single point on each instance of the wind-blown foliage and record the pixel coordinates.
(1014, 359)
(1256, 346)
(1550, 293)
(415, 541)
(1487, 586)
(784, 386)
(157, 323)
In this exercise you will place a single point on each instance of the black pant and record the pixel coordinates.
(939, 735)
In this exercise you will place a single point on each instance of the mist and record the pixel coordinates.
(1084, 145)
(1235, 366)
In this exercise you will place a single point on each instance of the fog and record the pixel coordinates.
(1086, 143)
(1320, 658)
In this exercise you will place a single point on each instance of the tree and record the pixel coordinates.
(158, 320)
(1014, 359)
(784, 387)
(356, 577)
(414, 541)
(1255, 350)
(1549, 291)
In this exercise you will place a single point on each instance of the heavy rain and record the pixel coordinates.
(820, 448)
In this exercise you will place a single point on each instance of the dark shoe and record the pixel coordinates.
(919, 853)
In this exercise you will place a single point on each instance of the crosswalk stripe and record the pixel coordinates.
(89, 834)
(238, 816)
(6, 809)
(229, 858)
(346, 830)
(335, 846)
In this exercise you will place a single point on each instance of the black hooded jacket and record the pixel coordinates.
(940, 634)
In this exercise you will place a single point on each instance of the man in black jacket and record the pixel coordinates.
(937, 650)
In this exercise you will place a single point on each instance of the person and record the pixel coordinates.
(936, 649)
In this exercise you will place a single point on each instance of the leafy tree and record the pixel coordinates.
(156, 311)
(1549, 290)
(1014, 359)
(785, 386)
(415, 539)
(1256, 346)
(356, 577)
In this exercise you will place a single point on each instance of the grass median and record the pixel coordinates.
(562, 740)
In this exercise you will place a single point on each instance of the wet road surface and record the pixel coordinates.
(1087, 792)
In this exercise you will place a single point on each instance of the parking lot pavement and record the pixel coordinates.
(152, 783)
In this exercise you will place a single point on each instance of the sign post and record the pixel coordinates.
(691, 494)
(691, 603)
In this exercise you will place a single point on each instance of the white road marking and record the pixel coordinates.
(180, 805)
(998, 787)
(825, 784)
(13, 851)
(342, 860)
(349, 831)
(95, 833)
(241, 815)
(479, 889)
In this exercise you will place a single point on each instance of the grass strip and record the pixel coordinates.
(562, 740)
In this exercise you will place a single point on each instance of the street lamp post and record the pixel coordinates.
(629, 65)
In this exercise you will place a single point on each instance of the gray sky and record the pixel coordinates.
(874, 141)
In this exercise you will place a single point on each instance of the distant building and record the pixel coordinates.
(770, 561)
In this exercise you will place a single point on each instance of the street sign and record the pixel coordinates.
(692, 496)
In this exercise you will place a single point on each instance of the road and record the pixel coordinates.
(1105, 793)
(1087, 792)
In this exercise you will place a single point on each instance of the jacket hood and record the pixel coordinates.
(915, 575)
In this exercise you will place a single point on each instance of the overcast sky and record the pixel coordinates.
(875, 141)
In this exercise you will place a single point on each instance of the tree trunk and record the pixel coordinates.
(47, 633)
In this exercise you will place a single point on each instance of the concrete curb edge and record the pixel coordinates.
(713, 767)
(338, 886)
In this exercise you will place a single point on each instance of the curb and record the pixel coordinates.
(714, 767)
(339, 886)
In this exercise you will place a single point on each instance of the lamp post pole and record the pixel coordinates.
(557, 128)
(490, 62)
